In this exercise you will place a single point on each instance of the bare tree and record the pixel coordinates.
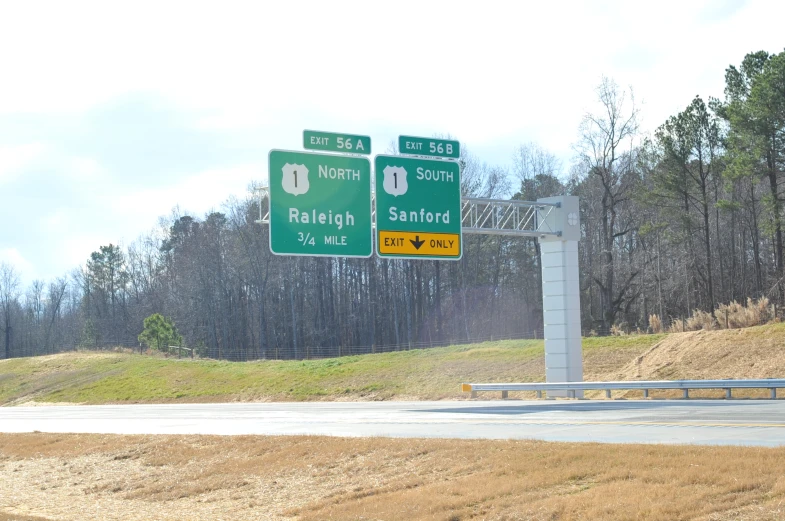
(56, 294)
(531, 164)
(9, 294)
(604, 152)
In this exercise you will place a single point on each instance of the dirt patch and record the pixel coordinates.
(756, 352)
(21, 517)
(739, 353)
(75, 477)
(33, 403)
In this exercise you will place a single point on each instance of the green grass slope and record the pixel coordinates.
(429, 374)
(88, 377)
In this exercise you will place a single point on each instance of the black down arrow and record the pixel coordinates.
(416, 242)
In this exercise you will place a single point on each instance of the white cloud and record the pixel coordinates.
(77, 248)
(252, 75)
(55, 220)
(24, 268)
(200, 193)
(14, 158)
(82, 169)
(479, 71)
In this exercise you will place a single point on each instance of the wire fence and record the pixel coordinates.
(289, 352)
(285, 352)
(338, 351)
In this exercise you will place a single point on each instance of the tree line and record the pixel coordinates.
(685, 219)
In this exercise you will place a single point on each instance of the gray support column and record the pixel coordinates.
(561, 294)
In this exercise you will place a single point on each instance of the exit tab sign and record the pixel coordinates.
(425, 146)
(334, 142)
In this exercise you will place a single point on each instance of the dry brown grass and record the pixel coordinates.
(700, 320)
(655, 324)
(617, 330)
(756, 352)
(735, 315)
(726, 316)
(740, 353)
(70, 477)
(677, 326)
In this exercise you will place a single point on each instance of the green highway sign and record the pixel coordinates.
(425, 146)
(418, 208)
(332, 142)
(320, 204)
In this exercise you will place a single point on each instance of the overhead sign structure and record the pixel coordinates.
(425, 146)
(333, 142)
(418, 208)
(320, 204)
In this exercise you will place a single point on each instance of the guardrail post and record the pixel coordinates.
(728, 394)
(773, 393)
(686, 394)
(607, 393)
(539, 394)
(504, 395)
(474, 395)
(645, 393)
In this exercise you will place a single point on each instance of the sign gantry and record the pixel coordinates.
(322, 205)
(485, 216)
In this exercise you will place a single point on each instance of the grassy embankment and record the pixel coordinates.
(82, 476)
(431, 374)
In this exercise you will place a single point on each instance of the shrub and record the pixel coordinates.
(735, 315)
(159, 332)
(700, 320)
(677, 326)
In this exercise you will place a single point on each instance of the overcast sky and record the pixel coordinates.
(112, 113)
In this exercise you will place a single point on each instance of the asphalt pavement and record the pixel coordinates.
(710, 422)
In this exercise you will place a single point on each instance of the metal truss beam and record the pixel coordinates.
(480, 216)
(503, 217)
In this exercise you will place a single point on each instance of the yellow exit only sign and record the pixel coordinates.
(417, 243)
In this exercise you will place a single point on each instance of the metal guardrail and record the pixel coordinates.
(772, 384)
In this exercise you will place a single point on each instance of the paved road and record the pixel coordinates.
(714, 422)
